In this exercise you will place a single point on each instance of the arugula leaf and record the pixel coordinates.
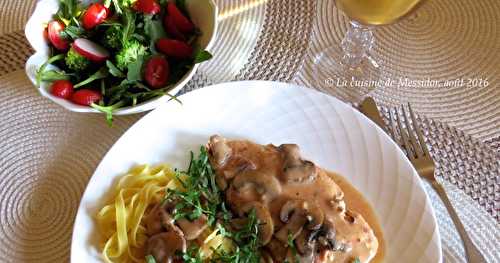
(100, 74)
(68, 9)
(150, 259)
(72, 32)
(103, 87)
(108, 110)
(135, 69)
(356, 260)
(114, 70)
(201, 55)
(293, 248)
(53, 75)
(41, 69)
(153, 28)
(129, 28)
(202, 195)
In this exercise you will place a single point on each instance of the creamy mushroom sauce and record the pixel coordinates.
(298, 200)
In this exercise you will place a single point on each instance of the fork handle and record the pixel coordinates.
(471, 251)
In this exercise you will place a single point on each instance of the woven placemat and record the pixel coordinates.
(442, 41)
(47, 154)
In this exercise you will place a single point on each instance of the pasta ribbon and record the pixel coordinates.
(121, 220)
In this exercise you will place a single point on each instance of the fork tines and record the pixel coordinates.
(404, 133)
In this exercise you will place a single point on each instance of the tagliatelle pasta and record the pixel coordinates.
(120, 222)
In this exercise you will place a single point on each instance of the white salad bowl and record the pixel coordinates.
(203, 15)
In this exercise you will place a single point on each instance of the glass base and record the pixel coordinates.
(349, 83)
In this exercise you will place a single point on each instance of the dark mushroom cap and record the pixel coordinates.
(296, 170)
(158, 220)
(296, 213)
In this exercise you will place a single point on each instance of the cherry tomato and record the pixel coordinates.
(174, 48)
(54, 29)
(85, 97)
(171, 28)
(96, 14)
(157, 72)
(147, 6)
(181, 21)
(62, 89)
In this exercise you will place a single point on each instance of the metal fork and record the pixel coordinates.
(418, 153)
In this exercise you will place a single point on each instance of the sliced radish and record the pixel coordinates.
(54, 29)
(90, 50)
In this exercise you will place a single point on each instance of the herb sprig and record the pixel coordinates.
(202, 196)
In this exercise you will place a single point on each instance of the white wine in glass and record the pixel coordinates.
(376, 12)
(348, 70)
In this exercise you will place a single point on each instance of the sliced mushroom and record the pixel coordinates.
(158, 220)
(266, 185)
(266, 225)
(296, 170)
(326, 236)
(296, 213)
(306, 241)
(163, 246)
(219, 151)
(192, 229)
(225, 161)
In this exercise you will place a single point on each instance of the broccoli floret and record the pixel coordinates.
(75, 61)
(129, 53)
(113, 37)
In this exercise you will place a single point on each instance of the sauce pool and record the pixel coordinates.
(356, 202)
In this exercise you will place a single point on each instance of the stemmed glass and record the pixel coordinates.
(348, 70)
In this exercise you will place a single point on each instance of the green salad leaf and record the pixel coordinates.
(108, 110)
(114, 70)
(202, 196)
(129, 27)
(100, 74)
(134, 72)
(68, 10)
(53, 75)
(72, 32)
(41, 70)
(201, 55)
(153, 28)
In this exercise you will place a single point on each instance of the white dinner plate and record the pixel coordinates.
(328, 131)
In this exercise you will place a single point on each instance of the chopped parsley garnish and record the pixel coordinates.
(202, 196)
(150, 259)
(293, 248)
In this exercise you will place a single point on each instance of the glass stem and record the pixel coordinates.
(357, 43)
